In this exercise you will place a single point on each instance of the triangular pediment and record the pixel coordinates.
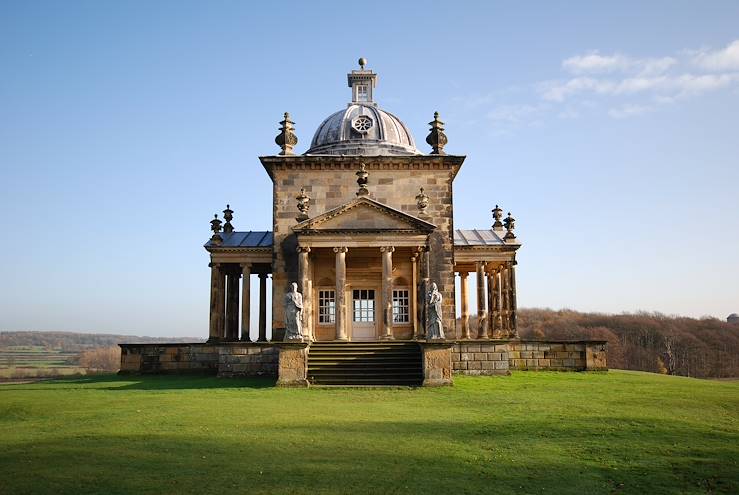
(364, 214)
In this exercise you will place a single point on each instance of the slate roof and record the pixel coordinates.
(250, 239)
(477, 237)
(264, 239)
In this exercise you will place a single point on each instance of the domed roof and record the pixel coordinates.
(363, 128)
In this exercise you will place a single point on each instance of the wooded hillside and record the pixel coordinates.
(703, 348)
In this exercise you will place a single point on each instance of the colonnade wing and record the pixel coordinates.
(491, 258)
(234, 258)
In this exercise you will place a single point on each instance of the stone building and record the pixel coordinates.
(363, 223)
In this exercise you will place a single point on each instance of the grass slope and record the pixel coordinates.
(621, 432)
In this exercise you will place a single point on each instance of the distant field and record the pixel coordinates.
(32, 361)
(559, 433)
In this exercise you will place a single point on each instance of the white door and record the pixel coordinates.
(363, 314)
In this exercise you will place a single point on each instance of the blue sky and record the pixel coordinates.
(608, 129)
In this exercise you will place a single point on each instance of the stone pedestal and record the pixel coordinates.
(437, 364)
(292, 367)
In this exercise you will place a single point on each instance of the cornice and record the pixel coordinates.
(338, 162)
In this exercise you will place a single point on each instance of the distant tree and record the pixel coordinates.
(101, 359)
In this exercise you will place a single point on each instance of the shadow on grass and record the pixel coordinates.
(374, 457)
(148, 382)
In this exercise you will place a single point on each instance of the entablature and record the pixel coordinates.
(333, 162)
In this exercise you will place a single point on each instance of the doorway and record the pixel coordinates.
(363, 314)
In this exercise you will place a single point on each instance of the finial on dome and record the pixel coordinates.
(436, 138)
(362, 82)
(286, 139)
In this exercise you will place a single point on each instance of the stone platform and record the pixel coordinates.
(469, 357)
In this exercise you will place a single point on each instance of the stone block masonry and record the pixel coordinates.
(468, 357)
(225, 360)
(499, 357)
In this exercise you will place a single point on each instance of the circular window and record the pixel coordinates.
(362, 123)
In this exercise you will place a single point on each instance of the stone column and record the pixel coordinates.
(232, 306)
(505, 296)
(513, 309)
(245, 301)
(465, 293)
(341, 292)
(305, 286)
(262, 307)
(217, 303)
(387, 292)
(481, 313)
(425, 288)
(414, 295)
(495, 311)
(491, 306)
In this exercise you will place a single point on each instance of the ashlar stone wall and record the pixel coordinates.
(227, 360)
(330, 181)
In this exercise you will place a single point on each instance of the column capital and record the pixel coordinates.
(214, 265)
(413, 259)
(341, 249)
(387, 249)
(245, 266)
(303, 249)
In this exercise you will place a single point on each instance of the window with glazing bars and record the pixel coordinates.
(326, 306)
(401, 306)
(364, 304)
(362, 93)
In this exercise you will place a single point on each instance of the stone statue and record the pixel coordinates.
(435, 330)
(293, 314)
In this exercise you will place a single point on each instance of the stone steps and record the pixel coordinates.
(365, 363)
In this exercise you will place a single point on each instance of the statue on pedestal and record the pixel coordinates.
(435, 330)
(293, 314)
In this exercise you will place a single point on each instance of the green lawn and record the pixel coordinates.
(580, 433)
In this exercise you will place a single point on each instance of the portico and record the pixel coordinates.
(358, 263)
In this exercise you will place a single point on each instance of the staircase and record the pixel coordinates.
(365, 363)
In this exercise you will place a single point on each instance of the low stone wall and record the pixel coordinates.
(247, 359)
(534, 355)
(498, 357)
(227, 359)
(471, 357)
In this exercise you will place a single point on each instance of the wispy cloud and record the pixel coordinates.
(672, 86)
(718, 60)
(595, 63)
(618, 84)
(629, 110)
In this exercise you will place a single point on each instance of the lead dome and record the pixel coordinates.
(362, 128)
